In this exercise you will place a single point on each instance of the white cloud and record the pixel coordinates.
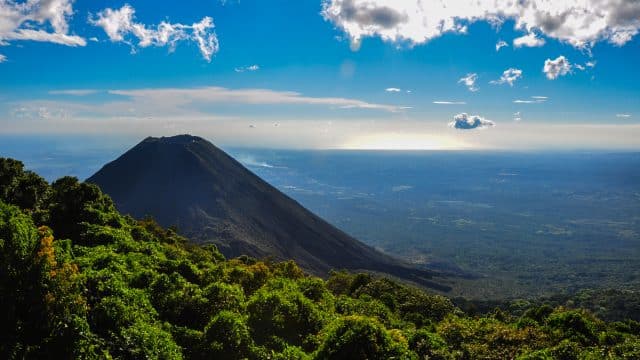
(470, 81)
(500, 44)
(588, 64)
(464, 121)
(37, 20)
(556, 68)
(392, 89)
(580, 23)
(449, 102)
(624, 116)
(533, 100)
(251, 68)
(529, 40)
(517, 116)
(120, 26)
(509, 76)
(2, 58)
(74, 92)
(162, 101)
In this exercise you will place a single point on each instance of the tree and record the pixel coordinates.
(361, 338)
(227, 336)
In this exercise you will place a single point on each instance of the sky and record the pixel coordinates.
(348, 74)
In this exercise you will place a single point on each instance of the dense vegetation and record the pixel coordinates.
(79, 280)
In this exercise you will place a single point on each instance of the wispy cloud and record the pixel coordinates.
(74, 92)
(186, 102)
(517, 116)
(624, 116)
(449, 102)
(392, 89)
(532, 100)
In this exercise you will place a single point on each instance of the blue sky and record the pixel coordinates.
(323, 74)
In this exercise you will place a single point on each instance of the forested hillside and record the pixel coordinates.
(79, 280)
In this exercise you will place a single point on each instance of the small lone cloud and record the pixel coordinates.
(509, 76)
(250, 68)
(500, 44)
(470, 81)
(392, 89)
(517, 116)
(556, 68)
(623, 116)
(465, 121)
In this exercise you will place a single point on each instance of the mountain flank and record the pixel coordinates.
(187, 182)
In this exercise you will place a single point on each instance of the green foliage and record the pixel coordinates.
(108, 286)
(358, 337)
(227, 336)
(280, 312)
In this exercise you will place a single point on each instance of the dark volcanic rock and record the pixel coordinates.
(188, 182)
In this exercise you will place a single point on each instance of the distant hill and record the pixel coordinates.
(188, 182)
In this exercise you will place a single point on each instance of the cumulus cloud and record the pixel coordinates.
(37, 20)
(251, 68)
(556, 68)
(509, 76)
(120, 26)
(449, 102)
(579, 23)
(392, 89)
(529, 40)
(469, 81)
(464, 121)
(500, 44)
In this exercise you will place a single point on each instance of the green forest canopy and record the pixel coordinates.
(80, 280)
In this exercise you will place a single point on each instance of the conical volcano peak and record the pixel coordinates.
(186, 181)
